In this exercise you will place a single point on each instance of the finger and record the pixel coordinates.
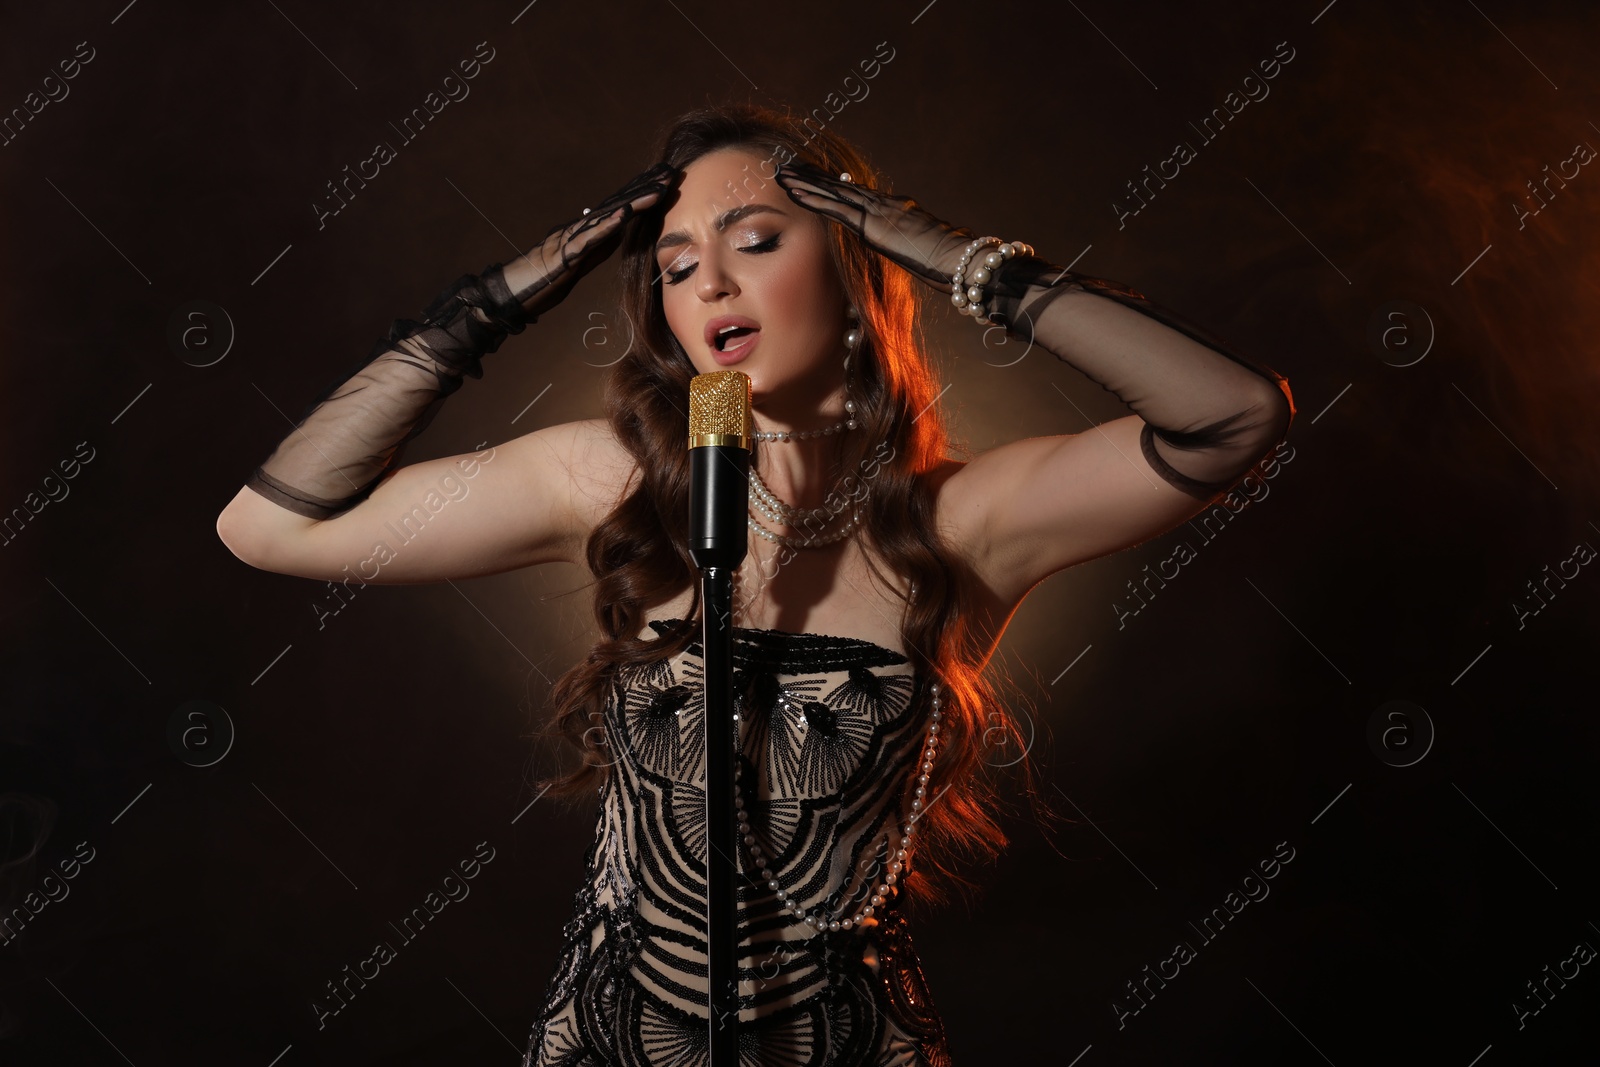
(809, 171)
(839, 200)
(647, 199)
(655, 181)
(804, 176)
(806, 197)
(618, 214)
(662, 172)
(801, 191)
(822, 201)
(640, 203)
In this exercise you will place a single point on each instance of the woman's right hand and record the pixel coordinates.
(544, 276)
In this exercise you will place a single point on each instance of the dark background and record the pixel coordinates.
(1435, 473)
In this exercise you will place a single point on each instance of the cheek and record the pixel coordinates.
(801, 289)
(677, 319)
(685, 326)
(813, 297)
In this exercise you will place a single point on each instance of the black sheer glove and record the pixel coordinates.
(351, 435)
(543, 277)
(893, 226)
(1210, 413)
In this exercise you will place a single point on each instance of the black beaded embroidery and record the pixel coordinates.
(829, 734)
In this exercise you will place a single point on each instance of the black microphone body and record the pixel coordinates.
(719, 498)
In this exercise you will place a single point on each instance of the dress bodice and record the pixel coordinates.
(830, 733)
(826, 743)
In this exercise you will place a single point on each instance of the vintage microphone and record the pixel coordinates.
(719, 498)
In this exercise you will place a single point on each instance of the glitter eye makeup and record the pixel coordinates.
(673, 277)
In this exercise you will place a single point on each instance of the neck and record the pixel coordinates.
(803, 473)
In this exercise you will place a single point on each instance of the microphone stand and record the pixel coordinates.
(716, 588)
(719, 455)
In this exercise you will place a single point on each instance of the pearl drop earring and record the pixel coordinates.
(852, 340)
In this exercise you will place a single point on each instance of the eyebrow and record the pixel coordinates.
(726, 219)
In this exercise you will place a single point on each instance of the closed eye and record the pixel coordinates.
(769, 245)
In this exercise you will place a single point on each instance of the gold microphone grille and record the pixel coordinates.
(719, 409)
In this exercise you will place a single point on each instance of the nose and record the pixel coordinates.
(711, 279)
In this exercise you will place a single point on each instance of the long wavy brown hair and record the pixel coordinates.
(638, 553)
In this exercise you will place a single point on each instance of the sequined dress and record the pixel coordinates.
(830, 730)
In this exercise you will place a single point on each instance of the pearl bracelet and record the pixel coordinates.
(966, 290)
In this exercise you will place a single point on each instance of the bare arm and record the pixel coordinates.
(1025, 510)
(1207, 415)
(530, 500)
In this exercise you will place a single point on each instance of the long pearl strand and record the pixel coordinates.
(777, 509)
(764, 500)
(804, 542)
(821, 922)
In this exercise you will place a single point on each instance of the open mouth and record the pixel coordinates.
(733, 338)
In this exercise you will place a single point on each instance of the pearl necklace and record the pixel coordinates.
(804, 542)
(765, 501)
(848, 423)
(802, 435)
(820, 922)
(771, 504)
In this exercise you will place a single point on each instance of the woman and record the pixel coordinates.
(880, 576)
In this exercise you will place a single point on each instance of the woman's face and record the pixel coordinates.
(767, 266)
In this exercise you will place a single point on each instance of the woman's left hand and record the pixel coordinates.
(894, 226)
